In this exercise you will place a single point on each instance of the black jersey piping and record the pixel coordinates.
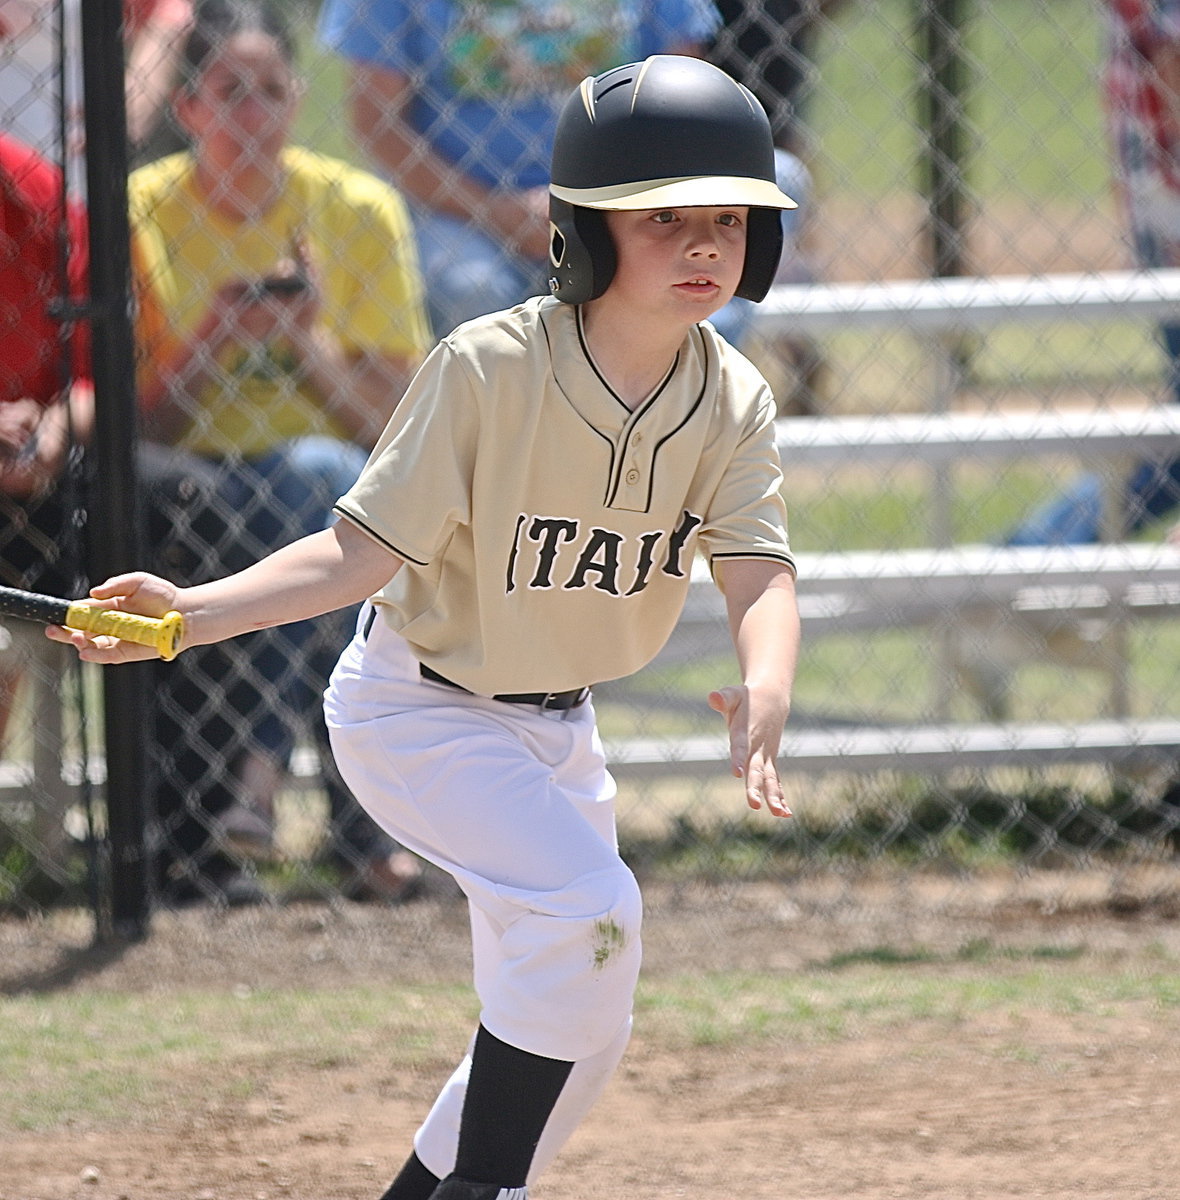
(688, 417)
(764, 555)
(610, 446)
(343, 512)
(593, 365)
(616, 474)
(617, 480)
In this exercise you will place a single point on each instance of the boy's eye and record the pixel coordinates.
(729, 219)
(666, 217)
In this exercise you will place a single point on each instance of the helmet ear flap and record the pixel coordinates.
(581, 253)
(764, 248)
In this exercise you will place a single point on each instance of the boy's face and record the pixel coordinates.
(679, 263)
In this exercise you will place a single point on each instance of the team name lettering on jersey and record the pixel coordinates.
(562, 552)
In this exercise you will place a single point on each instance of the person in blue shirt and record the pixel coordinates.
(456, 103)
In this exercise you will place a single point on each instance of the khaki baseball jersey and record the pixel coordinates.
(547, 530)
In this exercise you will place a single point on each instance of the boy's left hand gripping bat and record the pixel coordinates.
(164, 633)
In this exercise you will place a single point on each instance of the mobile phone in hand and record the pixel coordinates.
(279, 285)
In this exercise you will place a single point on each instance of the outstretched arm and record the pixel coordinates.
(331, 569)
(764, 625)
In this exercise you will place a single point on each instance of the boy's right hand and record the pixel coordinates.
(136, 592)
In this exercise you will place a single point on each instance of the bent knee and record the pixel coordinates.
(607, 892)
(568, 967)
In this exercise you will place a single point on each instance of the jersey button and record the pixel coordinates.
(633, 476)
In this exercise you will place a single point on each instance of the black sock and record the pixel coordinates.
(413, 1182)
(510, 1094)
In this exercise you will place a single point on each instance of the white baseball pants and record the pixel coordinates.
(516, 803)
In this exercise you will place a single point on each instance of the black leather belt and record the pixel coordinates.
(555, 700)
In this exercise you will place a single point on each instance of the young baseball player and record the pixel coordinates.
(525, 527)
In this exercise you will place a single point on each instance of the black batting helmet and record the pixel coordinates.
(668, 132)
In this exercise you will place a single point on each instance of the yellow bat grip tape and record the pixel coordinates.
(164, 633)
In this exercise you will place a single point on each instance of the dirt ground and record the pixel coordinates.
(1035, 1105)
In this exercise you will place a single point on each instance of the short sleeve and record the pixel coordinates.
(367, 31)
(417, 485)
(748, 517)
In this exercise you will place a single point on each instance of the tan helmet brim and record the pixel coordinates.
(708, 191)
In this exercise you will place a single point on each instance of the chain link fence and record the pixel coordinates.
(927, 140)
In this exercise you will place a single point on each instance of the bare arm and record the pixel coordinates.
(168, 379)
(331, 569)
(152, 61)
(35, 439)
(1166, 60)
(359, 389)
(380, 101)
(764, 625)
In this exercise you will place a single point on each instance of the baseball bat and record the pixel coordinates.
(164, 633)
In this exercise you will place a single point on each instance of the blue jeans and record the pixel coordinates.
(280, 497)
(1074, 516)
(469, 272)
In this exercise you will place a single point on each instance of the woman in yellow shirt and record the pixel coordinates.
(280, 316)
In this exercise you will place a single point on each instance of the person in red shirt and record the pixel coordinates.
(46, 400)
(46, 404)
(46, 419)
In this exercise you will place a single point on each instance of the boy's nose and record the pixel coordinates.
(706, 246)
(703, 240)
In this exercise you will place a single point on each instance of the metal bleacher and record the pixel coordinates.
(841, 592)
(943, 583)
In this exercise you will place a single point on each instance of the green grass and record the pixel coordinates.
(324, 121)
(872, 994)
(108, 1055)
(108, 1060)
(892, 675)
(1032, 103)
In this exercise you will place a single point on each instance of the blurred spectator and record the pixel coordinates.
(46, 406)
(769, 47)
(1141, 89)
(456, 103)
(46, 420)
(40, 95)
(280, 317)
(46, 400)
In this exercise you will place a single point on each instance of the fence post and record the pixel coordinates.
(941, 99)
(114, 512)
